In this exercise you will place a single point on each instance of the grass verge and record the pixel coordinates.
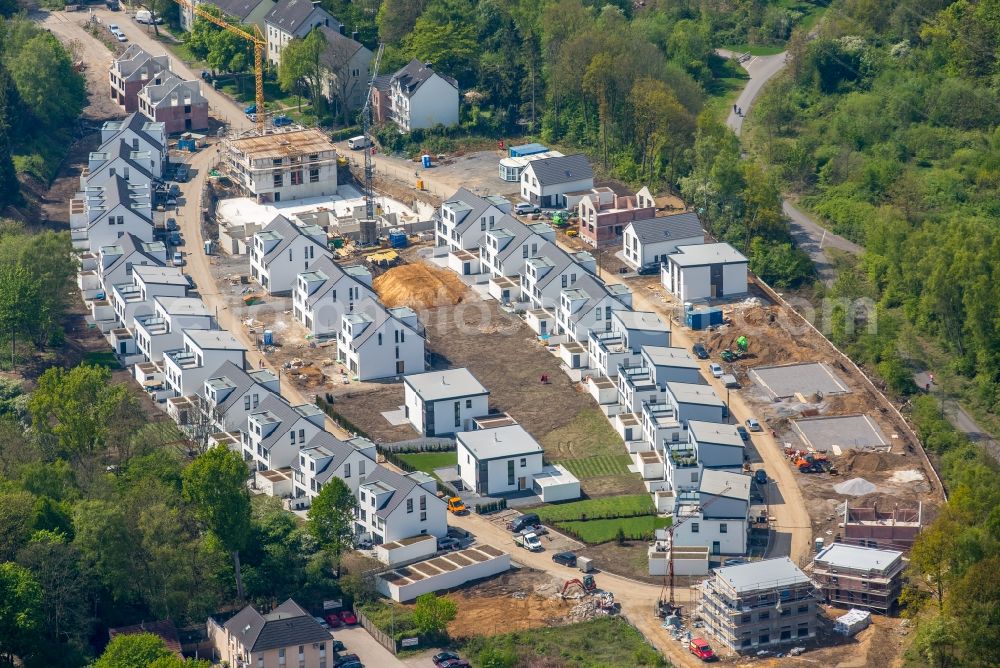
(105, 358)
(428, 461)
(608, 507)
(603, 531)
(607, 641)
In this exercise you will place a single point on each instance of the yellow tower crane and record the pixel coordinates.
(259, 44)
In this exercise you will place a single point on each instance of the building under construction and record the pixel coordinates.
(282, 166)
(759, 605)
(860, 577)
(894, 529)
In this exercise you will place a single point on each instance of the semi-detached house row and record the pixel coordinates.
(283, 250)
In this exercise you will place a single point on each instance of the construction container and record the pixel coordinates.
(187, 145)
(337, 242)
(268, 337)
(398, 238)
(425, 160)
(704, 318)
(585, 564)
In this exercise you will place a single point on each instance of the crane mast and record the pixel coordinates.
(366, 123)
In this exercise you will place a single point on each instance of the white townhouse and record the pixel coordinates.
(717, 514)
(509, 244)
(327, 292)
(637, 386)
(230, 394)
(142, 135)
(282, 250)
(671, 365)
(587, 306)
(420, 98)
(719, 446)
(651, 240)
(276, 431)
(705, 271)
(660, 426)
(696, 402)
(620, 347)
(201, 353)
(465, 218)
(134, 298)
(547, 181)
(163, 329)
(438, 403)
(498, 460)
(101, 215)
(550, 272)
(294, 19)
(324, 457)
(393, 506)
(118, 158)
(115, 261)
(381, 343)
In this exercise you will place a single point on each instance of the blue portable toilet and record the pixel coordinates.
(268, 337)
(425, 160)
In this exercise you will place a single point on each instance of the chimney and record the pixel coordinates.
(341, 28)
(354, 35)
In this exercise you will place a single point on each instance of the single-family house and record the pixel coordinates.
(283, 250)
(176, 103)
(719, 446)
(759, 605)
(696, 402)
(465, 218)
(345, 65)
(852, 576)
(605, 215)
(546, 182)
(381, 342)
(276, 431)
(202, 352)
(587, 306)
(671, 365)
(282, 166)
(498, 460)
(135, 297)
(717, 516)
(650, 240)
(660, 426)
(285, 637)
(294, 19)
(324, 457)
(101, 215)
(550, 272)
(163, 329)
(639, 328)
(420, 98)
(131, 71)
(392, 506)
(705, 271)
(327, 292)
(438, 403)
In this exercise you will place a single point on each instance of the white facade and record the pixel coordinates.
(420, 98)
(545, 182)
(284, 165)
(393, 506)
(465, 219)
(134, 298)
(444, 402)
(141, 135)
(325, 457)
(387, 343)
(289, 19)
(652, 240)
(587, 306)
(115, 261)
(101, 215)
(203, 351)
(282, 250)
(163, 329)
(498, 460)
(707, 271)
(553, 270)
(276, 431)
(327, 292)
(231, 394)
(506, 248)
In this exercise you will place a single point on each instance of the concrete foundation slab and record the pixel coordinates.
(790, 379)
(841, 433)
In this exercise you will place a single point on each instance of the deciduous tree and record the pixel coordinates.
(432, 613)
(331, 517)
(21, 615)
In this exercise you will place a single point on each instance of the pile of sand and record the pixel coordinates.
(855, 487)
(419, 286)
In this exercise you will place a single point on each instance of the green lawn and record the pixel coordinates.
(428, 461)
(601, 465)
(603, 531)
(609, 506)
(105, 358)
(589, 434)
(597, 643)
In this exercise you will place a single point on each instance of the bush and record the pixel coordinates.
(492, 507)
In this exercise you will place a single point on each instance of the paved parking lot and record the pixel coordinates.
(373, 655)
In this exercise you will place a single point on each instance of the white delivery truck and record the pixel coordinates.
(361, 141)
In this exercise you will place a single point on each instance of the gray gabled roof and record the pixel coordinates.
(667, 228)
(240, 9)
(241, 380)
(400, 484)
(415, 74)
(519, 234)
(283, 411)
(561, 169)
(596, 292)
(130, 245)
(119, 149)
(290, 15)
(380, 317)
(287, 625)
(135, 122)
(339, 50)
(560, 260)
(331, 453)
(477, 206)
(118, 192)
(334, 274)
(288, 231)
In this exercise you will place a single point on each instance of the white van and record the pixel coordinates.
(143, 16)
(361, 141)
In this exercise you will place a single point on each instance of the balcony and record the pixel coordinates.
(683, 458)
(182, 359)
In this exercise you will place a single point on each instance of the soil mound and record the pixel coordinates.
(419, 286)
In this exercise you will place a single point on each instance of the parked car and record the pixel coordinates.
(702, 649)
(760, 476)
(178, 259)
(281, 121)
(182, 173)
(753, 425)
(523, 208)
(734, 561)
(649, 269)
(333, 620)
(744, 434)
(176, 239)
(441, 657)
(523, 521)
(445, 544)
(112, 5)
(457, 663)
(172, 225)
(341, 661)
(348, 617)
(113, 28)
(352, 664)
(120, 36)
(337, 645)
(565, 558)
(700, 351)
(252, 109)
(321, 622)
(716, 369)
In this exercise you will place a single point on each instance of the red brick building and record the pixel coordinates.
(178, 104)
(132, 71)
(604, 215)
